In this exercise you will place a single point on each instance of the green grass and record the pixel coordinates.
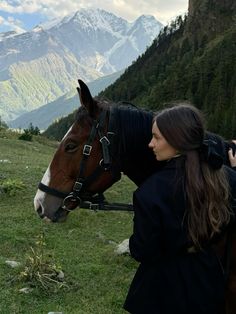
(83, 246)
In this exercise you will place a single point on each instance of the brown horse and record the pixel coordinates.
(104, 141)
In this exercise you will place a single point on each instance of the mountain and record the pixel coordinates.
(38, 66)
(9, 34)
(64, 105)
(193, 59)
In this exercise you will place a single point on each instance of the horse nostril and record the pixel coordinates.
(40, 211)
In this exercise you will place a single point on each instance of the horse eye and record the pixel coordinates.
(71, 147)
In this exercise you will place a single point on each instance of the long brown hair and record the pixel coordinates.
(207, 189)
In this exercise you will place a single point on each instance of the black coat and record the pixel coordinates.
(170, 279)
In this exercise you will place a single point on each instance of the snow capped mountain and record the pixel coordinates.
(101, 36)
(39, 66)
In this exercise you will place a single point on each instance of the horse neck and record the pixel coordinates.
(134, 131)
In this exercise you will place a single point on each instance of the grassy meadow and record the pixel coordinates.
(83, 247)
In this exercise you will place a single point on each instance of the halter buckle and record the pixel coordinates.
(94, 207)
(77, 186)
(87, 150)
(104, 140)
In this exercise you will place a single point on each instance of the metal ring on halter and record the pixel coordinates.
(71, 199)
(101, 163)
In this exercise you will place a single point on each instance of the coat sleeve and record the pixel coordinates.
(233, 185)
(221, 146)
(145, 241)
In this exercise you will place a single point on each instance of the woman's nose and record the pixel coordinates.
(150, 145)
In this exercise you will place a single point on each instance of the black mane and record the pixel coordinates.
(133, 128)
(133, 131)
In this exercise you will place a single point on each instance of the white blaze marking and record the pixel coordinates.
(46, 176)
(40, 195)
(67, 133)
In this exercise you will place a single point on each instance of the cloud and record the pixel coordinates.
(24, 6)
(12, 24)
(130, 9)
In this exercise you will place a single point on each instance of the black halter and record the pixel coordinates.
(79, 195)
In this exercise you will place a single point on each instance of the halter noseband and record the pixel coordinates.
(75, 197)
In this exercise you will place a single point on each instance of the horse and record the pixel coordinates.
(104, 141)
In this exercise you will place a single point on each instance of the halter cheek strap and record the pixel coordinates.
(74, 198)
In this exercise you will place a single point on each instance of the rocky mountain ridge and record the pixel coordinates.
(41, 65)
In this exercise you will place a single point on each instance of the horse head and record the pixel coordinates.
(82, 164)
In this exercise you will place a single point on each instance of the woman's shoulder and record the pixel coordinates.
(163, 181)
(163, 176)
(162, 194)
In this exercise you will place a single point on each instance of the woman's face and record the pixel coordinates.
(161, 148)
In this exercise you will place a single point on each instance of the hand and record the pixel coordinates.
(232, 158)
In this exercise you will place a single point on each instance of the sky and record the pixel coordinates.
(23, 15)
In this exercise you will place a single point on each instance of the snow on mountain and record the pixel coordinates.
(39, 66)
(101, 35)
(9, 34)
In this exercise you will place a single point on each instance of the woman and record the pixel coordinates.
(181, 213)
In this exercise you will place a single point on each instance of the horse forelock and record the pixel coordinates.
(82, 113)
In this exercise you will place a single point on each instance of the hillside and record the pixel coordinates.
(64, 105)
(83, 248)
(193, 59)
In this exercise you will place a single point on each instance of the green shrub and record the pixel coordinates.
(40, 270)
(11, 186)
(26, 136)
(34, 130)
(28, 133)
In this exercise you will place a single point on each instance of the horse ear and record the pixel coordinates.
(86, 99)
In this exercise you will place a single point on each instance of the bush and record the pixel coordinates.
(11, 186)
(40, 271)
(26, 136)
(34, 130)
(28, 133)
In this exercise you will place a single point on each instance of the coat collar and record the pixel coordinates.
(175, 162)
